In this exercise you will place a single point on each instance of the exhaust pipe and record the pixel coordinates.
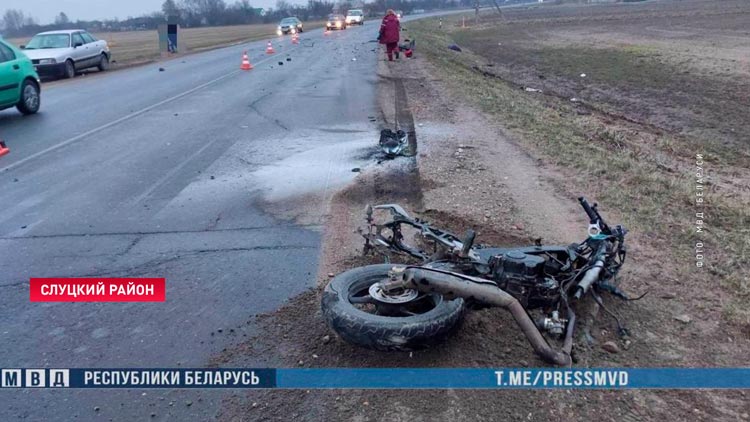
(591, 276)
(452, 285)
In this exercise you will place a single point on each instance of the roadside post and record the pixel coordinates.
(168, 37)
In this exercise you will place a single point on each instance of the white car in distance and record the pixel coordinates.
(63, 53)
(355, 17)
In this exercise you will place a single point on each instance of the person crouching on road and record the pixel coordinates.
(390, 30)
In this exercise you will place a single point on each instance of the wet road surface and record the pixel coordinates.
(148, 173)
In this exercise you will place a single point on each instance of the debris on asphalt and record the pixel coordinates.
(326, 339)
(684, 318)
(356, 170)
(611, 347)
(529, 89)
(583, 75)
(161, 69)
(574, 100)
(289, 59)
(354, 59)
(281, 63)
(454, 47)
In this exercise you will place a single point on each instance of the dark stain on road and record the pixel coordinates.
(404, 118)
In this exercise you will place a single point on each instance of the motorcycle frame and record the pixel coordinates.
(452, 284)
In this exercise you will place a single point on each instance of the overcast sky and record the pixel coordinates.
(44, 11)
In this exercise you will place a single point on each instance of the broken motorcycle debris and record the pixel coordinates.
(393, 143)
(407, 307)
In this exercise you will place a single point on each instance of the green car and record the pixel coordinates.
(19, 82)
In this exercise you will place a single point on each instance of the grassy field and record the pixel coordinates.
(135, 47)
(630, 129)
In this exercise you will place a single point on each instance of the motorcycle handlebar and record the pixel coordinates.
(594, 216)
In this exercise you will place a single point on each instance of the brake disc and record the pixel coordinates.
(393, 297)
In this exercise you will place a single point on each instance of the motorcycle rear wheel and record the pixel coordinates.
(413, 324)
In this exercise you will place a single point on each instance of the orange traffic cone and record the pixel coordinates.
(245, 62)
(269, 49)
(3, 149)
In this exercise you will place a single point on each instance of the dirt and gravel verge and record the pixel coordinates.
(503, 161)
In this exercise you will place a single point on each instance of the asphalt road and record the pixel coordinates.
(143, 172)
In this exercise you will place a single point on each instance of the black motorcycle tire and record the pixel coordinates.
(387, 333)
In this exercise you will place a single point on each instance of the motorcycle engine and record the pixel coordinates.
(522, 275)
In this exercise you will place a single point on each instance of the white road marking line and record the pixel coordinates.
(128, 117)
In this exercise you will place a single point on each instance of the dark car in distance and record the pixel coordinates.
(290, 25)
(336, 22)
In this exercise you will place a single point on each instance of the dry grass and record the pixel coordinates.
(644, 171)
(135, 47)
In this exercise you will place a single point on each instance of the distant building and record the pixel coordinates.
(260, 11)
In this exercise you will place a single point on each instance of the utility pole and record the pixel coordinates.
(476, 12)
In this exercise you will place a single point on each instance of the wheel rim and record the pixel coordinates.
(366, 296)
(31, 97)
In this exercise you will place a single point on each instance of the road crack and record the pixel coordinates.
(253, 107)
(159, 232)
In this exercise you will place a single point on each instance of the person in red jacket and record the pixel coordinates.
(390, 31)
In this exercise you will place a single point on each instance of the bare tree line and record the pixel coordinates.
(191, 13)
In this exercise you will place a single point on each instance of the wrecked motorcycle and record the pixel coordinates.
(407, 307)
